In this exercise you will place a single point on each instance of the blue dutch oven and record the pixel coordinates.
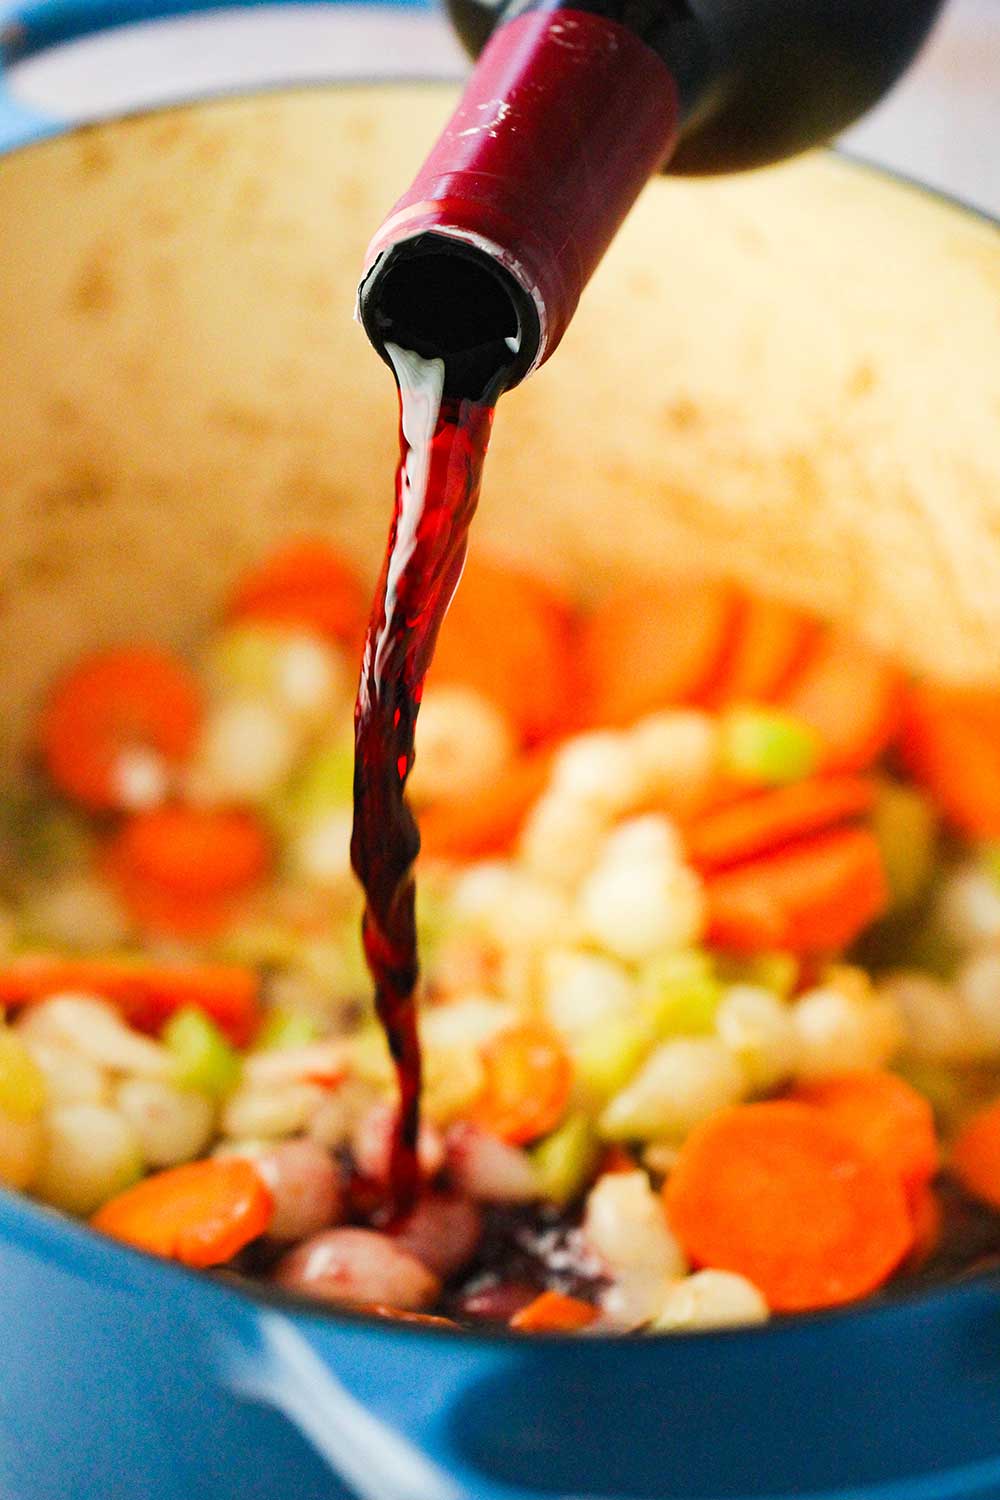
(181, 382)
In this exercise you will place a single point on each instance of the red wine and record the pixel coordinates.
(443, 442)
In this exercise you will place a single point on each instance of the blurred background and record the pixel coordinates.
(941, 125)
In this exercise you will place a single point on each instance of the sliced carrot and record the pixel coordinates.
(528, 1078)
(851, 697)
(883, 1115)
(146, 993)
(307, 583)
(194, 852)
(815, 897)
(951, 745)
(202, 1214)
(975, 1156)
(159, 912)
(129, 699)
(551, 1312)
(509, 635)
(647, 646)
(397, 1315)
(769, 820)
(779, 1194)
(770, 640)
(489, 822)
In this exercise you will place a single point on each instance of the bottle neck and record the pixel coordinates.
(482, 261)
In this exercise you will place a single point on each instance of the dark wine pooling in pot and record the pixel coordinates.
(442, 444)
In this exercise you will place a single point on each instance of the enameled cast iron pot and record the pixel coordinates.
(181, 382)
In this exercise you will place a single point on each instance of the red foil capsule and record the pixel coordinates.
(565, 118)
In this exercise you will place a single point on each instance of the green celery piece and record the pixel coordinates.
(324, 784)
(608, 1054)
(679, 994)
(767, 746)
(777, 972)
(565, 1160)
(287, 1028)
(204, 1059)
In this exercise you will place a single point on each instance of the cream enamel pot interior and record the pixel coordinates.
(794, 377)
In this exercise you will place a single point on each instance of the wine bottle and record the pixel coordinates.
(568, 112)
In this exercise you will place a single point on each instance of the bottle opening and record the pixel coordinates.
(444, 299)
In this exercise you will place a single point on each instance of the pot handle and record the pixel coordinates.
(31, 28)
(381, 1430)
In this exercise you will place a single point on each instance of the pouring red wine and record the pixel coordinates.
(472, 280)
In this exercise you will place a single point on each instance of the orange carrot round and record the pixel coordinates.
(777, 1193)
(508, 635)
(489, 822)
(951, 744)
(305, 583)
(975, 1155)
(647, 646)
(851, 697)
(128, 699)
(551, 1312)
(814, 897)
(769, 641)
(527, 1085)
(769, 820)
(193, 852)
(147, 993)
(159, 912)
(397, 1315)
(883, 1115)
(201, 1214)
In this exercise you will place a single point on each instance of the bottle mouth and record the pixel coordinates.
(446, 298)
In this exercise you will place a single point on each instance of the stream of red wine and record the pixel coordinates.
(443, 444)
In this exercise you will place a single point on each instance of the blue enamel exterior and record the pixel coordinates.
(125, 1379)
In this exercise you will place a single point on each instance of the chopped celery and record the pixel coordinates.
(679, 994)
(22, 1086)
(767, 746)
(324, 784)
(607, 1055)
(777, 972)
(204, 1060)
(565, 1160)
(287, 1028)
(906, 828)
